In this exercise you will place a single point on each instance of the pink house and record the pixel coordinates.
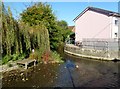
(96, 23)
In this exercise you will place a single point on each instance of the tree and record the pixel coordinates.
(41, 14)
(65, 31)
(37, 29)
(38, 17)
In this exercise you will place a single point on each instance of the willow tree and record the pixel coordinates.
(7, 30)
(11, 34)
(41, 14)
(35, 18)
(34, 37)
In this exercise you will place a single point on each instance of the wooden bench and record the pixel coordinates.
(26, 62)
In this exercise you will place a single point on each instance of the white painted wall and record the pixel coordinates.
(114, 27)
(92, 25)
(119, 37)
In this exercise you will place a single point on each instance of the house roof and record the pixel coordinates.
(102, 11)
(71, 27)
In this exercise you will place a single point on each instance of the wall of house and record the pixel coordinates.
(119, 37)
(114, 27)
(92, 25)
(119, 24)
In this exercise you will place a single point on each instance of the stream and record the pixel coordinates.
(74, 72)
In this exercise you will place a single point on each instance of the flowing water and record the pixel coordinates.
(74, 72)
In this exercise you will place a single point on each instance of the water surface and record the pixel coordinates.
(90, 73)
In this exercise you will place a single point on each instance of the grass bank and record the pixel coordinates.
(10, 62)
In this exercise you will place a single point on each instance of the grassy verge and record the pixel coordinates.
(13, 57)
(46, 56)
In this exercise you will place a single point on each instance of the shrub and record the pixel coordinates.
(46, 56)
(6, 58)
(34, 55)
(21, 56)
(15, 57)
(55, 56)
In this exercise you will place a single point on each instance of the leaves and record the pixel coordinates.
(37, 29)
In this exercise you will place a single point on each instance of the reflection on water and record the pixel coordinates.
(39, 76)
(88, 73)
(94, 73)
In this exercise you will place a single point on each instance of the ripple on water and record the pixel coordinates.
(89, 73)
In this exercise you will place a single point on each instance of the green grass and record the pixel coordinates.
(13, 57)
(36, 55)
(6, 58)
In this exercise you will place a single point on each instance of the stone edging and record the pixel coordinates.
(86, 56)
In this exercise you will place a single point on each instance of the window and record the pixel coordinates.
(116, 22)
(115, 34)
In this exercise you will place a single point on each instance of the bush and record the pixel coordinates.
(15, 57)
(18, 57)
(34, 55)
(6, 58)
(55, 56)
(46, 56)
(21, 56)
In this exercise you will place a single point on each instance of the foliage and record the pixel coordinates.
(15, 57)
(39, 13)
(20, 38)
(6, 59)
(55, 56)
(37, 29)
(65, 31)
(21, 56)
(12, 44)
(34, 55)
(42, 14)
(18, 56)
(63, 24)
